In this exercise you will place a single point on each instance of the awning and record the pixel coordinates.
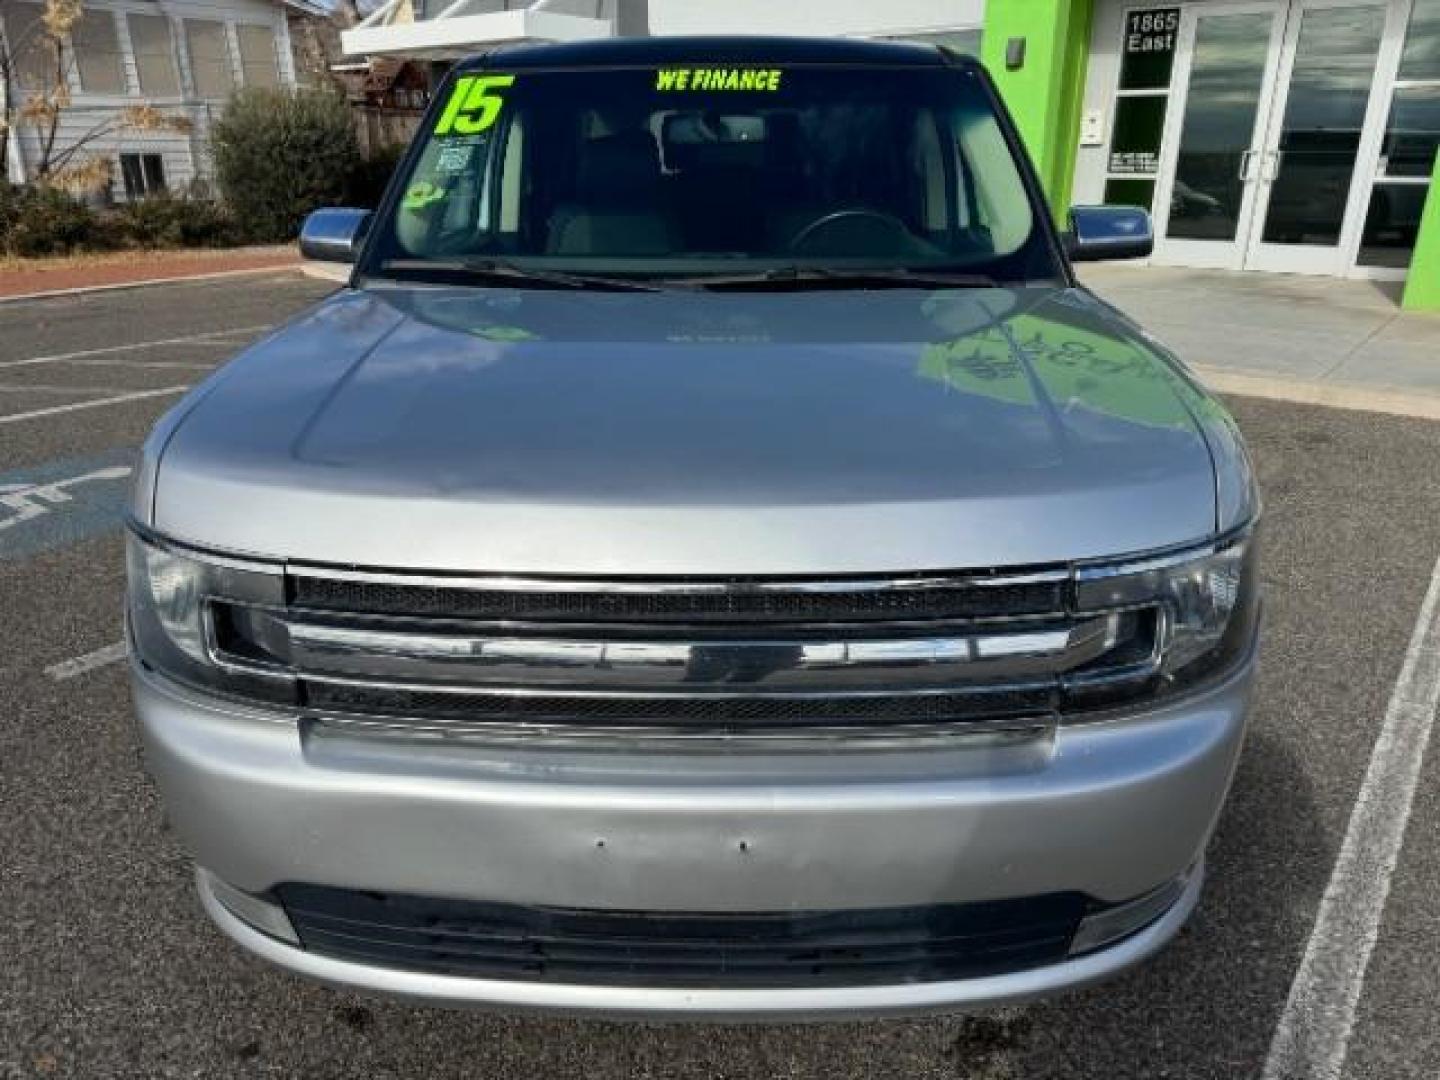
(463, 28)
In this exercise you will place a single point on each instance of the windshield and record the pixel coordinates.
(668, 172)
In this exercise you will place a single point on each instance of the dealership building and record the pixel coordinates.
(1289, 136)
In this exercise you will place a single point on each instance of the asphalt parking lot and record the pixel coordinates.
(108, 967)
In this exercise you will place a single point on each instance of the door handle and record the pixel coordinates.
(1246, 157)
(1271, 167)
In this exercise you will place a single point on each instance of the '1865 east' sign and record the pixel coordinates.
(1152, 31)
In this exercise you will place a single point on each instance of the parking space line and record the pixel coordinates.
(102, 362)
(56, 388)
(207, 338)
(79, 665)
(118, 399)
(1313, 1035)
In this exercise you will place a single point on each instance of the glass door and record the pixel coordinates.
(1210, 163)
(1324, 114)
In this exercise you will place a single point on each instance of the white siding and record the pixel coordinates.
(185, 155)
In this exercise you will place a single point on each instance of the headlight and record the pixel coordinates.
(173, 616)
(1206, 603)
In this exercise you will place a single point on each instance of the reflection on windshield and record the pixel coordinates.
(696, 170)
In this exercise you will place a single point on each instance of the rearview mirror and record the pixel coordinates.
(334, 234)
(1109, 232)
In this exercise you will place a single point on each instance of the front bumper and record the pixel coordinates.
(1111, 809)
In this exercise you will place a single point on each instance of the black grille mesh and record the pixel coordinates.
(965, 598)
(591, 947)
(979, 704)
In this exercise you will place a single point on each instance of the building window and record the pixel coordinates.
(154, 55)
(209, 58)
(34, 58)
(259, 64)
(1407, 154)
(143, 174)
(1147, 59)
(1420, 58)
(97, 53)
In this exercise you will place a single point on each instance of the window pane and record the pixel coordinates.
(154, 55)
(1324, 113)
(1129, 192)
(1135, 143)
(133, 176)
(1225, 78)
(209, 58)
(97, 53)
(34, 56)
(1391, 224)
(154, 174)
(1421, 57)
(257, 55)
(1148, 51)
(1412, 132)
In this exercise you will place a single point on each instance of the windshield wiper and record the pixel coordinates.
(843, 278)
(498, 271)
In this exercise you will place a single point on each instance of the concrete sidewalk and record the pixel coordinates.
(1326, 332)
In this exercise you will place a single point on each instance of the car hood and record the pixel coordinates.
(689, 432)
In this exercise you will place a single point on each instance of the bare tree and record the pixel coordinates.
(43, 49)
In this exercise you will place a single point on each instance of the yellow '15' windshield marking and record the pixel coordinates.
(709, 78)
(474, 105)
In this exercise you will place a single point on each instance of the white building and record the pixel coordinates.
(184, 57)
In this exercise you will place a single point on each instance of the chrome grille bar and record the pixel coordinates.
(386, 655)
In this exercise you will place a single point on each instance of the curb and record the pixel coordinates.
(80, 290)
(1392, 401)
(324, 271)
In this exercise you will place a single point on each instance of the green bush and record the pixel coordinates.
(367, 180)
(165, 221)
(43, 221)
(37, 220)
(9, 211)
(281, 153)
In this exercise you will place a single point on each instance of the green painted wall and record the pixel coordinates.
(1047, 91)
(1422, 286)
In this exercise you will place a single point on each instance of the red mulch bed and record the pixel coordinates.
(20, 277)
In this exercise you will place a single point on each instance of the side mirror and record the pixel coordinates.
(1109, 232)
(333, 235)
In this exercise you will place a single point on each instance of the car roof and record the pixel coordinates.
(716, 51)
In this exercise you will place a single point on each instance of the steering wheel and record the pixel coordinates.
(889, 222)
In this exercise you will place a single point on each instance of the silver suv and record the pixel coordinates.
(712, 559)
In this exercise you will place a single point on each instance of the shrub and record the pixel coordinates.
(281, 153)
(43, 221)
(166, 221)
(9, 210)
(367, 180)
(37, 220)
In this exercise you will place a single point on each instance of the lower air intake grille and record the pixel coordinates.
(623, 948)
(478, 707)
